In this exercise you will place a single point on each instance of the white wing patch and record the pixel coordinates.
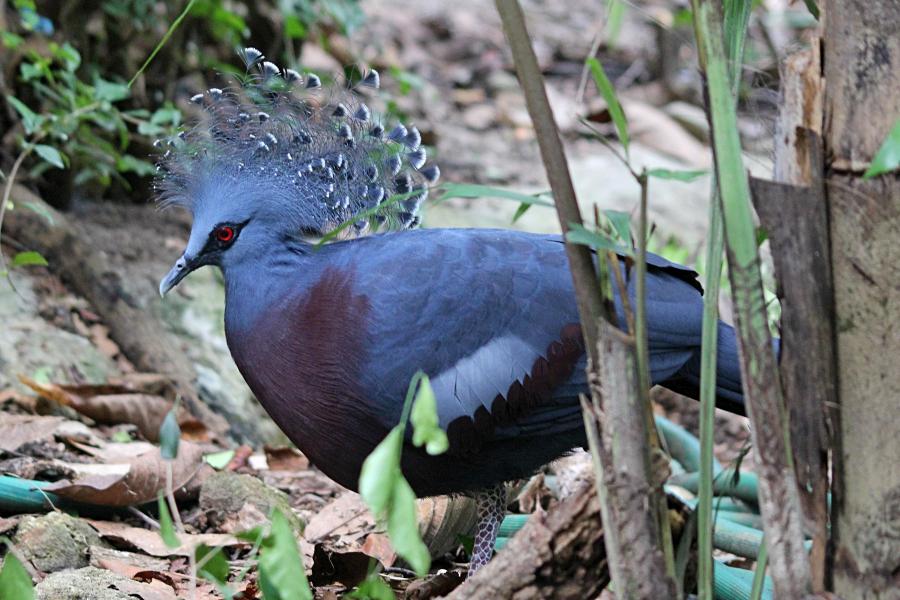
(476, 379)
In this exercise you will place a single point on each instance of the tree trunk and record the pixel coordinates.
(862, 75)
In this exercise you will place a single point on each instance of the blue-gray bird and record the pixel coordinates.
(328, 338)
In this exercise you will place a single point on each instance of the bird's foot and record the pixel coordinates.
(491, 507)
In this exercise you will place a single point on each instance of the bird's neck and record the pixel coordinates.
(254, 288)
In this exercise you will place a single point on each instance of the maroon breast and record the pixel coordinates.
(302, 359)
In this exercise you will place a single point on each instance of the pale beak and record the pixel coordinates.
(182, 267)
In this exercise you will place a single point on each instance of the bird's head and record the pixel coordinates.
(280, 158)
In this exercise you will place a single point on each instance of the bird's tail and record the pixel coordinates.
(729, 393)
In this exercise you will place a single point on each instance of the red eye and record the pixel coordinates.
(224, 233)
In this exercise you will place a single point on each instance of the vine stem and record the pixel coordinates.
(11, 178)
(7, 190)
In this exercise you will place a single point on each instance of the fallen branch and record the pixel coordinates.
(557, 555)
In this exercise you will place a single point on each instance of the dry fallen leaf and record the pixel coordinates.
(378, 546)
(16, 430)
(285, 458)
(149, 542)
(143, 480)
(346, 517)
(126, 563)
(343, 540)
(112, 404)
(111, 452)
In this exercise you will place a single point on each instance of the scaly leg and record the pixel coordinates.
(491, 507)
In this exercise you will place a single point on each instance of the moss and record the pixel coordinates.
(56, 541)
(224, 495)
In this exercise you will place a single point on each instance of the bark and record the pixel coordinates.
(862, 74)
(558, 555)
(796, 220)
(140, 335)
(628, 478)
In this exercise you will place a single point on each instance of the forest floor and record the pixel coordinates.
(78, 418)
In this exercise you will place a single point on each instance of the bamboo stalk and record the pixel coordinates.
(737, 15)
(779, 498)
(639, 566)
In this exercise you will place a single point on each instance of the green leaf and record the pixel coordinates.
(388, 494)
(169, 435)
(281, 572)
(166, 526)
(621, 223)
(129, 164)
(254, 535)
(11, 40)
(379, 471)
(27, 258)
(424, 417)
(214, 564)
(69, 56)
(523, 208)
(578, 234)
(167, 115)
(41, 209)
(612, 102)
(121, 436)
(676, 175)
(110, 91)
(812, 8)
(887, 158)
(403, 528)
(471, 190)
(31, 121)
(15, 582)
(373, 588)
(736, 17)
(219, 460)
(51, 155)
(615, 11)
(293, 28)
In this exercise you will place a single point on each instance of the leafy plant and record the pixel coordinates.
(382, 484)
(78, 124)
(281, 572)
(887, 158)
(373, 588)
(15, 582)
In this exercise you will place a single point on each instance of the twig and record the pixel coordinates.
(144, 517)
(587, 289)
(11, 178)
(179, 526)
(163, 41)
(642, 350)
(7, 190)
